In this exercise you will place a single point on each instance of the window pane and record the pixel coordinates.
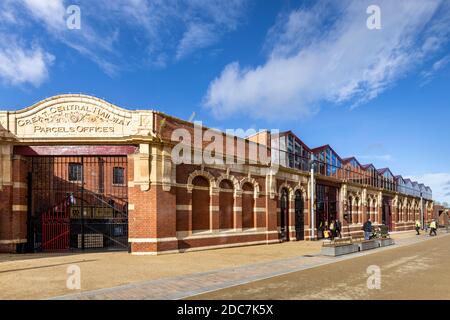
(75, 172)
(118, 175)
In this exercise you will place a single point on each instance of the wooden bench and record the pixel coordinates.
(338, 247)
(337, 242)
(357, 238)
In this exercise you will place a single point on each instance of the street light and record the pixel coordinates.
(311, 204)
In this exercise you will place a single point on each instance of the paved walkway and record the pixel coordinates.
(193, 284)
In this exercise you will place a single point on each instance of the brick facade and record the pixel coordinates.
(180, 207)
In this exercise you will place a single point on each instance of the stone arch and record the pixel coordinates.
(208, 176)
(302, 190)
(284, 185)
(253, 182)
(236, 185)
(201, 205)
(351, 199)
(227, 192)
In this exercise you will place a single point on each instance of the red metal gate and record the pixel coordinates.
(56, 228)
(79, 202)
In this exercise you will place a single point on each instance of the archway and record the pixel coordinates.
(200, 204)
(226, 203)
(248, 204)
(284, 215)
(299, 217)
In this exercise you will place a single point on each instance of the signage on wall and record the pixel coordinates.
(75, 116)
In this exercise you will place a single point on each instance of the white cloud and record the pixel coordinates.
(196, 36)
(162, 31)
(435, 68)
(342, 62)
(51, 12)
(438, 182)
(174, 29)
(20, 65)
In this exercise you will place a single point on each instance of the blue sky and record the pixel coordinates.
(311, 66)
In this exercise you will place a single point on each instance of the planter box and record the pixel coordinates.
(385, 242)
(368, 245)
(339, 250)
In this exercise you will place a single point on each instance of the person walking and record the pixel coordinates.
(332, 230)
(367, 228)
(338, 228)
(433, 227)
(418, 227)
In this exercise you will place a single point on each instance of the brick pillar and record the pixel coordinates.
(395, 215)
(291, 218)
(379, 214)
(152, 203)
(20, 200)
(271, 218)
(354, 213)
(214, 211)
(306, 217)
(373, 216)
(237, 211)
(13, 200)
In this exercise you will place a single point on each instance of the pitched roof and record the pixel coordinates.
(346, 160)
(326, 146)
(383, 170)
(367, 166)
(296, 137)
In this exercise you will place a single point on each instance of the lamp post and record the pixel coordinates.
(422, 218)
(311, 205)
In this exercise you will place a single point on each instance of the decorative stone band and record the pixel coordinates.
(185, 235)
(240, 244)
(151, 240)
(14, 241)
(20, 185)
(18, 207)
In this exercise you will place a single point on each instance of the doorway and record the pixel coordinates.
(326, 207)
(284, 214)
(299, 216)
(386, 217)
(78, 202)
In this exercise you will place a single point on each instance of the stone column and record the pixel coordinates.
(291, 218)
(354, 208)
(214, 210)
(8, 242)
(152, 201)
(373, 216)
(237, 210)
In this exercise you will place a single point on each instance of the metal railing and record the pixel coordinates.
(347, 173)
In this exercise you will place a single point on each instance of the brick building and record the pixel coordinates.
(77, 172)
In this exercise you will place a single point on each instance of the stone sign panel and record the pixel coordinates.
(75, 116)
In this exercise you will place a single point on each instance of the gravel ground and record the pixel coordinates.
(419, 271)
(38, 276)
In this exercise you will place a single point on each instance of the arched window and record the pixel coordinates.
(299, 218)
(248, 203)
(284, 211)
(357, 211)
(226, 204)
(200, 204)
(350, 210)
